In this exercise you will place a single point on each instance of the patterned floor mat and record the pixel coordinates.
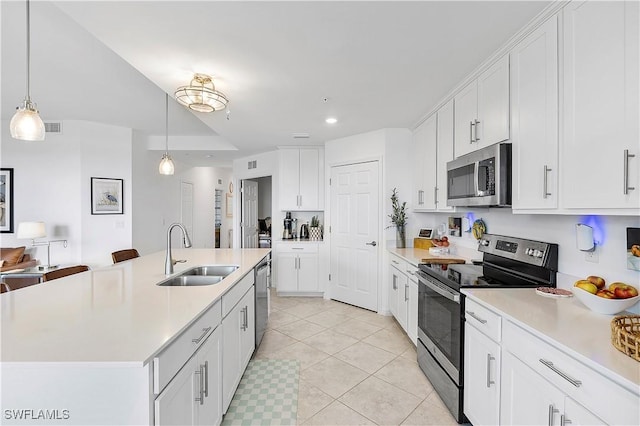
(267, 394)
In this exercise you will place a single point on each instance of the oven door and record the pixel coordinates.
(440, 323)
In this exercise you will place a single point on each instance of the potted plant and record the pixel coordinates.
(315, 233)
(399, 219)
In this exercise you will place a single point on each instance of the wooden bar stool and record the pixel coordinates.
(122, 255)
(63, 272)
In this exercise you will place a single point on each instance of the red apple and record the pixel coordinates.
(625, 291)
(605, 294)
(598, 281)
(445, 238)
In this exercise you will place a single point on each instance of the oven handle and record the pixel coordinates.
(424, 279)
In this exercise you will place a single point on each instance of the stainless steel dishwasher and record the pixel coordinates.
(263, 273)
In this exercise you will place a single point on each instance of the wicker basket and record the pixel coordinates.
(625, 335)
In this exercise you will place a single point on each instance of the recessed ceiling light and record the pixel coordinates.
(331, 120)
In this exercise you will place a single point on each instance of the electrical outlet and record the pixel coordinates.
(592, 256)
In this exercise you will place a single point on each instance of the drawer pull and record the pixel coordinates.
(489, 381)
(205, 331)
(564, 420)
(552, 411)
(475, 317)
(200, 385)
(562, 374)
(206, 378)
(395, 262)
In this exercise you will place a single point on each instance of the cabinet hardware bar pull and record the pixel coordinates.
(395, 262)
(489, 381)
(562, 374)
(627, 188)
(206, 378)
(395, 282)
(545, 192)
(297, 248)
(406, 287)
(435, 195)
(471, 140)
(476, 130)
(199, 373)
(300, 201)
(246, 317)
(372, 243)
(204, 333)
(564, 420)
(475, 317)
(552, 411)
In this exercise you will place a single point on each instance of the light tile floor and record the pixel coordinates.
(356, 367)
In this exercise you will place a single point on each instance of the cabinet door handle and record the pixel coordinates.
(372, 243)
(200, 386)
(489, 381)
(471, 126)
(246, 317)
(545, 191)
(564, 420)
(395, 282)
(435, 195)
(549, 364)
(204, 333)
(552, 411)
(406, 287)
(206, 378)
(475, 317)
(627, 188)
(476, 130)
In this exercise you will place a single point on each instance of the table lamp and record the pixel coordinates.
(33, 230)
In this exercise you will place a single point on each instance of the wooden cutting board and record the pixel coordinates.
(437, 260)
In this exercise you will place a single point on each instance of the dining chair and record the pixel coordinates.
(4, 288)
(63, 272)
(122, 255)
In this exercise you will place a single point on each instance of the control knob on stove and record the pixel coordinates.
(537, 253)
(484, 242)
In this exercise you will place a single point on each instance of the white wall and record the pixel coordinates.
(52, 184)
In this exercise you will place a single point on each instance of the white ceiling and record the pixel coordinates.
(379, 64)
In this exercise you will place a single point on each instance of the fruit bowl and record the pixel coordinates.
(602, 305)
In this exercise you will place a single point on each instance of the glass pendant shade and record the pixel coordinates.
(201, 95)
(26, 124)
(166, 165)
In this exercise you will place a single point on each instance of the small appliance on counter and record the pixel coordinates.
(287, 234)
(304, 231)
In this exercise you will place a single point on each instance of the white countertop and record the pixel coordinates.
(568, 325)
(112, 314)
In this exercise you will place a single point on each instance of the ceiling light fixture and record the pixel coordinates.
(166, 166)
(331, 120)
(26, 124)
(201, 95)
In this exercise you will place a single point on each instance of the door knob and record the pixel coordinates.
(372, 243)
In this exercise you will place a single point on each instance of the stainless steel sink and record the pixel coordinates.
(211, 270)
(200, 275)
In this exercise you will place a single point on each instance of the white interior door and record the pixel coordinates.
(355, 218)
(249, 225)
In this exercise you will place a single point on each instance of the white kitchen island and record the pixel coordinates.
(82, 349)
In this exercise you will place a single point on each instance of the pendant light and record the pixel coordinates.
(26, 124)
(166, 166)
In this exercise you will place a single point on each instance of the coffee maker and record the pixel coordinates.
(287, 234)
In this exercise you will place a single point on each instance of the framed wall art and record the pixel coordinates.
(6, 201)
(229, 209)
(106, 196)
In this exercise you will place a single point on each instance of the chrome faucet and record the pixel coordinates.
(169, 262)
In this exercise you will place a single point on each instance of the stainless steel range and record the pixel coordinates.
(508, 262)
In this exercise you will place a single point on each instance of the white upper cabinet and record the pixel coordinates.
(432, 149)
(301, 175)
(424, 157)
(600, 151)
(482, 110)
(534, 118)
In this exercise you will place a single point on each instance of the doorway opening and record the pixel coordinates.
(255, 212)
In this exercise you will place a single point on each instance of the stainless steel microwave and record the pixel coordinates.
(481, 178)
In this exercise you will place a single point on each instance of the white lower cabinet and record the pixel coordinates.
(297, 268)
(238, 337)
(193, 396)
(515, 377)
(481, 378)
(403, 295)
